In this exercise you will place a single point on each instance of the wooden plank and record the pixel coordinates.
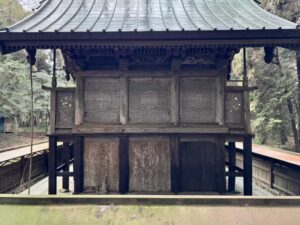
(123, 164)
(52, 165)
(154, 129)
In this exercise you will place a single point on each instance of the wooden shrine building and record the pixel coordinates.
(153, 104)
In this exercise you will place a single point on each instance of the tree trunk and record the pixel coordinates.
(293, 123)
(282, 132)
(298, 73)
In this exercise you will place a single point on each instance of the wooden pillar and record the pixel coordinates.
(66, 152)
(78, 165)
(247, 165)
(175, 167)
(271, 173)
(232, 164)
(52, 166)
(123, 164)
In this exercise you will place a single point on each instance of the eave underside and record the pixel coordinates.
(11, 42)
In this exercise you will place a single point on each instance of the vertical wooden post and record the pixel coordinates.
(54, 79)
(247, 165)
(175, 100)
(123, 164)
(52, 166)
(232, 164)
(79, 106)
(66, 152)
(175, 170)
(78, 165)
(123, 100)
(271, 173)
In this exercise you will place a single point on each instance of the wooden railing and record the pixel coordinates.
(14, 171)
(275, 175)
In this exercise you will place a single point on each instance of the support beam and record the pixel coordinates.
(232, 164)
(123, 164)
(78, 165)
(247, 165)
(52, 165)
(175, 167)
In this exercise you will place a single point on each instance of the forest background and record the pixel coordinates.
(275, 105)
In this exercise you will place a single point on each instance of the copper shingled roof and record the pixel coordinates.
(147, 15)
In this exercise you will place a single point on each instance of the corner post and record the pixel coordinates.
(247, 165)
(78, 165)
(52, 166)
(232, 164)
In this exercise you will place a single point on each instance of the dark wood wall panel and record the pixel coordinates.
(149, 164)
(198, 100)
(202, 166)
(150, 100)
(101, 163)
(102, 100)
(64, 109)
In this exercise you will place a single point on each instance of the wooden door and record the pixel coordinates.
(199, 166)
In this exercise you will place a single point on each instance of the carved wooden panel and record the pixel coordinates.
(102, 100)
(149, 164)
(101, 163)
(234, 108)
(149, 100)
(64, 109)
(198, 100)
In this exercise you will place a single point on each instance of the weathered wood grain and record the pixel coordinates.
(149, 164)
(101, 163)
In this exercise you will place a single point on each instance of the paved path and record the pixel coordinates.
(4, 156)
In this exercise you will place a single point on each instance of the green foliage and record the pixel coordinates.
(10, 12)
(277, 85)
